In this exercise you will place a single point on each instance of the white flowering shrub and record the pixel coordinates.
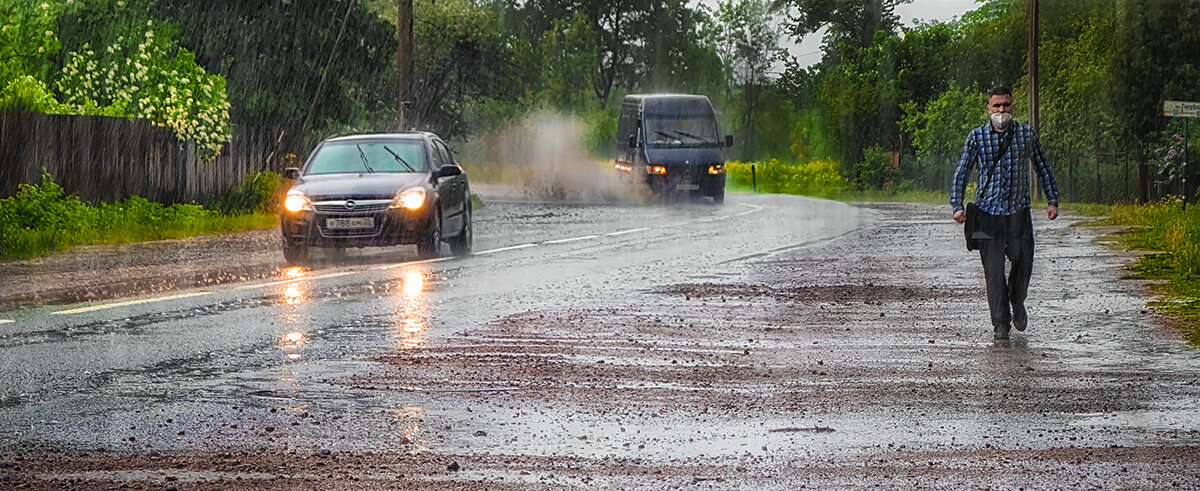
(149, 77)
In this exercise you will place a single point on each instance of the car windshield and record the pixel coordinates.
(683, 130)
(368, 156)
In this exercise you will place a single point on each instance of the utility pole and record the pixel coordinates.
(1033, 89)
(404, 61)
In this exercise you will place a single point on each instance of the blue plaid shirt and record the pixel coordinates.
(1002, 189)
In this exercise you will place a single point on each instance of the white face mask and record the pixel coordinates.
(1001, 119)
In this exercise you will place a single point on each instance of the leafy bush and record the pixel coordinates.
(26, 93)
(876, 171)
(43, 217)
(257, 194)
(36, 215)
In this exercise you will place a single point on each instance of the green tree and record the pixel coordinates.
(568, 48)
(463, 56)
(641, 45)
(1156, 48)
(272, 54)
(746, 37)
(852, 22)
(28, 47)
(938, 131)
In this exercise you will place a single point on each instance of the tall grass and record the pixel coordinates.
(43, 217)
(1164, 226)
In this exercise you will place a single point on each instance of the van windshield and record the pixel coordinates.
(682, 130)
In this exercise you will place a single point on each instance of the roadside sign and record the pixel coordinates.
(1181, 109)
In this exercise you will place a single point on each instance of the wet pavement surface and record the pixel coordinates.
(773, 342)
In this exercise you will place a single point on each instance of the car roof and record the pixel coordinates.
(408, 135)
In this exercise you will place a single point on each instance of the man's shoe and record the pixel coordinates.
(1000, 333)
(1020, 317)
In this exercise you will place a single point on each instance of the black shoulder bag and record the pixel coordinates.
(979, 226)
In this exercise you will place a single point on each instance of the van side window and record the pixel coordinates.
(628, 127)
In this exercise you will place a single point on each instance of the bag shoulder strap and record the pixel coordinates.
(1008, 138)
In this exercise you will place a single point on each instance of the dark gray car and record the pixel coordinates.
(377, 190)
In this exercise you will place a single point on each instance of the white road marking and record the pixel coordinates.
(421, 261)
(630, 231)
(502, 249)
(564, 241)
(129, 302)
(298, 278)
(6, 321)
(747, 212)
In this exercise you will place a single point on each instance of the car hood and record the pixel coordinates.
(684, 155)
(364, 186)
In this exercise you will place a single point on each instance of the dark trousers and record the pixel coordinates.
(1012, 238)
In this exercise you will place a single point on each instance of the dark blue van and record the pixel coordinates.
(674, 143)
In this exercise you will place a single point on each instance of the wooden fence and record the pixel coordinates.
(109, 159)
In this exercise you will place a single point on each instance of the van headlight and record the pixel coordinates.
(716, 169)
(409, 199)
(296, 201)
(656, 169)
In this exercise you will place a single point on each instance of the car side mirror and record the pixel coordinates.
(291, 173)
(633, 141)
(449, 170)
(729, 141)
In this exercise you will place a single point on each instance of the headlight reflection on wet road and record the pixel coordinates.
(410, 418)
(293, 292)
(413, 312)
(291, 342)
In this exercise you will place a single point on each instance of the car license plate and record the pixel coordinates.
(687, 187)
(353, 222)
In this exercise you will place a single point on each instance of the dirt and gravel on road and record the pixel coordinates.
(861, 361)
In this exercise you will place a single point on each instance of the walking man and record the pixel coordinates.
(1001, 150)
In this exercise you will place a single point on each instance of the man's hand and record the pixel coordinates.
(961, 215)
(1051, 212)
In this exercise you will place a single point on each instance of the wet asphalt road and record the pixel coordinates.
(771, 342)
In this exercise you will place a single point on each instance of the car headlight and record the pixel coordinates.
(716, 169)
(410, 199)
(296, 201)
(656, 169)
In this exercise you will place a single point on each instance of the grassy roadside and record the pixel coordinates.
(1171, 237)
(43, 218)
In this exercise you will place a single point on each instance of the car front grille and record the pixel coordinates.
(359, 206)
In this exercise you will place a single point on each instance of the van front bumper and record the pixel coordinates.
(686, 179)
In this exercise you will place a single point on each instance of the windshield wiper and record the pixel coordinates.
(398, 159)
(689, 135)
(677, 134)
(668, 135)
(364, 158)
